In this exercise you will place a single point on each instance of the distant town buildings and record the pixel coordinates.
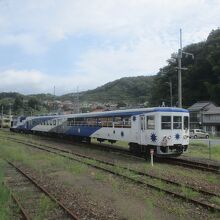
(70, 107)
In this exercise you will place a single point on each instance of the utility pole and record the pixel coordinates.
(171, 92)
(10, 110)
(10, 117)
(2, 117)
(179, 58)
(54, 93)
(2, 111)
(77, 100)
(179, 72)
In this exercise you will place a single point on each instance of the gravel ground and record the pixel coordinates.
(97, 195)
(187, 176)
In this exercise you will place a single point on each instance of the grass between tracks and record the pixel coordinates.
(5, 199)
(44, 161)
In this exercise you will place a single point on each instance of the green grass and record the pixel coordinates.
(45, 206)
(47, 161)
(200, 149)
(5, 198)
(189, 193)
(41, 160)
(215, 200)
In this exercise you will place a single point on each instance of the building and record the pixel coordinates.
(211, 121)
(205, 115)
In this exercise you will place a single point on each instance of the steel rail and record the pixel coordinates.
(211, 207)
(121, 167)
(21, 208)
(191, 164)
(68, 212)
(173, 161)
(127, 169)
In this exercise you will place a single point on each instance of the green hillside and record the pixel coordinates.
(127, 90)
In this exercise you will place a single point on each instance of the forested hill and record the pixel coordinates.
(127, 90)
(202, 79)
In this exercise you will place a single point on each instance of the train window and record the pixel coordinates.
(92, 121)
(150, 122)
(165, 122)
(186, 122)
(103, 122)
(118, 123)
(110, 122)
(54, 122)
(80, 121)
(59, 122)
(177, 122)
(70, 121)
(126, 122)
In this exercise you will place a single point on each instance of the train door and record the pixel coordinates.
(27, 125)
(142, 129)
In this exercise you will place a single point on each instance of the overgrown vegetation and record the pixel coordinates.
(200, 149)
(45, 206)
(47, 162)
(4, 195)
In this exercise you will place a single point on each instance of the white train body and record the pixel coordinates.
(166, 130)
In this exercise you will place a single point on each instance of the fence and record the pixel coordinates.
(205, 148)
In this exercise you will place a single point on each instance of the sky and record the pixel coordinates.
(83, 44)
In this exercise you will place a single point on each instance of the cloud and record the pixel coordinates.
(43, 23)
(132, 37)
(127, 60)
(34, 81)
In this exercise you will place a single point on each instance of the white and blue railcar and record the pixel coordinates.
(164, 129)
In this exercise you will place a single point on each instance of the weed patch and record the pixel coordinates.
(45, 206)
(4, 195)
(189, 193)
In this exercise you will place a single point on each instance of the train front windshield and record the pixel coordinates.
(174, 122)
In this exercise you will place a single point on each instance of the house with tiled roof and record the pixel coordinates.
(211, 121)
(205, 115)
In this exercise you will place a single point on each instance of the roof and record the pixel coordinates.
(211, 111)
(200, 105)
(118, 112)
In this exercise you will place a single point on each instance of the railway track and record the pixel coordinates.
(173, 161)
(203, 198)
(192, 164)
(189, 163)
(23, 185)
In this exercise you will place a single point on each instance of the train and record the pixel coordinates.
(5, 121)
(163, 130)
